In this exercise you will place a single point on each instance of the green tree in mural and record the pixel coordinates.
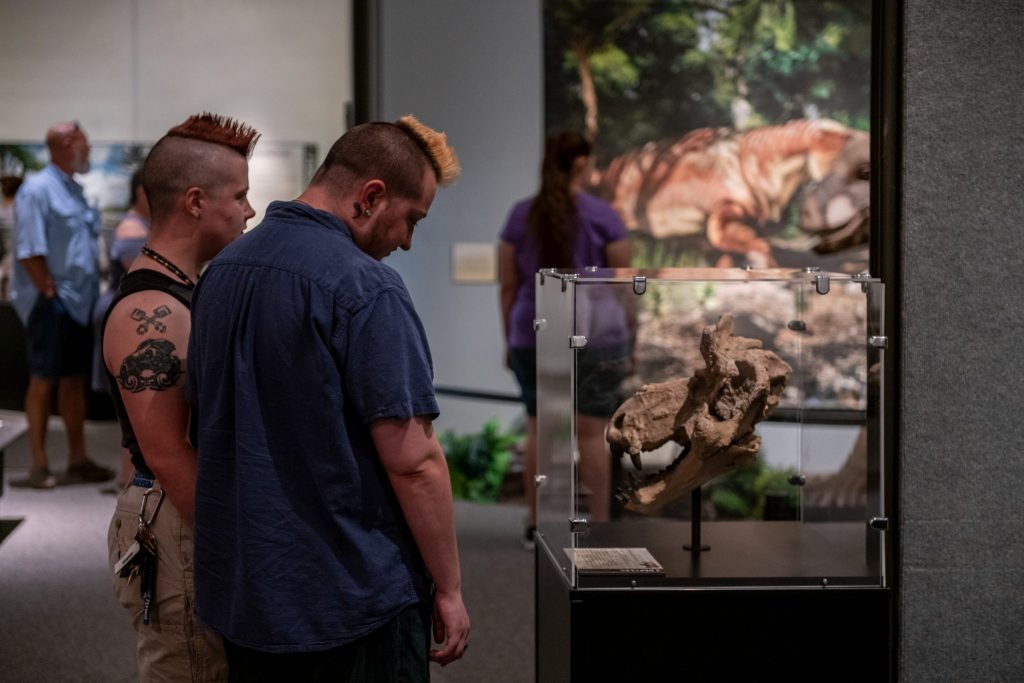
(777, 60)
(633, 71)
(587, 30)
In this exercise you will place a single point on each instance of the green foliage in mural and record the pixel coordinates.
(632, 71)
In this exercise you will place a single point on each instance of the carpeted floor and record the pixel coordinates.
(59, 620)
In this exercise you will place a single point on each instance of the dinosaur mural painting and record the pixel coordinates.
(735, 189)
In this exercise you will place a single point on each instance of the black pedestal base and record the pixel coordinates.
(716, 634)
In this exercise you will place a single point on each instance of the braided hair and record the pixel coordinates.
(552, 219)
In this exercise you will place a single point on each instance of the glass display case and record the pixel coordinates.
(710, 428)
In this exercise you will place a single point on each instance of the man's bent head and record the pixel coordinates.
(387, 175)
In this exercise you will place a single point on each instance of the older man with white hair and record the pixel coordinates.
(56, 282)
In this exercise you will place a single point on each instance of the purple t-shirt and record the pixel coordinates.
(599, 227)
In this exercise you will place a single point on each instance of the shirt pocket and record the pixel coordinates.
(76, 225)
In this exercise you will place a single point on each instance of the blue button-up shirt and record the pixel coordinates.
(53, 219)
(299, 342)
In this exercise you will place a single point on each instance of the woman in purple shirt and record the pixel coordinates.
(561, 227)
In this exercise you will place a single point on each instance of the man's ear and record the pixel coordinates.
(372, 191)
(194, 197)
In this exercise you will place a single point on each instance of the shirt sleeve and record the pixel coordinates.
(128, 248)
(611, 225)
(388, 369)
(515, 226)
(29, 225)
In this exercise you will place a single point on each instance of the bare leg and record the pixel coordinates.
(530, 469)
(595, 464)
(37, 412)
(71, 403)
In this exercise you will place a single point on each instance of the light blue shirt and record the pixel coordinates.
(53, 219)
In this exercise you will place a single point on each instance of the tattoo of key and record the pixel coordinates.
(145, 321)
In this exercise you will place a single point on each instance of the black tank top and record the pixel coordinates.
(138, 281)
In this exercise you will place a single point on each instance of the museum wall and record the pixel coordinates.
(472, 68)
(129, 69)
(961, 467)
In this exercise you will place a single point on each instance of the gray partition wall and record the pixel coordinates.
(962, 464)
(474, 68)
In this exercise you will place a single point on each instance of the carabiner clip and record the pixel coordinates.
(143, 522)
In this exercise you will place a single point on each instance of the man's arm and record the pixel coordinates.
(418, 472)
(30, 246)
(39, 273)
(145, 346)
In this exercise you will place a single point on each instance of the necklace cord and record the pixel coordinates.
(166, 263)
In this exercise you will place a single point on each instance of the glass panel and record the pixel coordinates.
(556, 441)
(876, 465)
(731, 389)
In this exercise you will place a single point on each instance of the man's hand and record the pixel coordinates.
(39, 273)
(451, 627)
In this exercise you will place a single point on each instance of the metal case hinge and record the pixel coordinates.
(539, 324)
(577, 341)
(639, 284)
(879, 523)
(822, 283)
(863, 278)
(579, 525)
(879, 342)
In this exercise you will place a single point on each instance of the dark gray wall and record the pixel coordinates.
(962, 465)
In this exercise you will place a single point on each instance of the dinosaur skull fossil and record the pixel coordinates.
(711, 415)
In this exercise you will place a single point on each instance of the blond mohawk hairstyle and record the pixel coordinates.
(435, 146)
(219, 130)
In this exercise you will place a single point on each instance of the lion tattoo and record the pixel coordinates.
(151, 366)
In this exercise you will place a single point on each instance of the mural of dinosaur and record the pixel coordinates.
(734, 188)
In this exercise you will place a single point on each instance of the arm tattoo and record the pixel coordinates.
(145, 321)
(151, 366)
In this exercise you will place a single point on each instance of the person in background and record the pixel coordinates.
(196, 178)
(56, 282)
(325, 536)
(566, 228)
(129, 237)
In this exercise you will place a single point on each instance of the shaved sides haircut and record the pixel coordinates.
(397, 153)
(192, 154)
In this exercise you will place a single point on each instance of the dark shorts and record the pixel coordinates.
(57, 345)
(396, 652)
(599, 376)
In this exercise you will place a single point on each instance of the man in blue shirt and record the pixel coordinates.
(325, 539)
(56, 282)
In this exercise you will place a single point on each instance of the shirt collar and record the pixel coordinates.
(68, 179)
(295, 209)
